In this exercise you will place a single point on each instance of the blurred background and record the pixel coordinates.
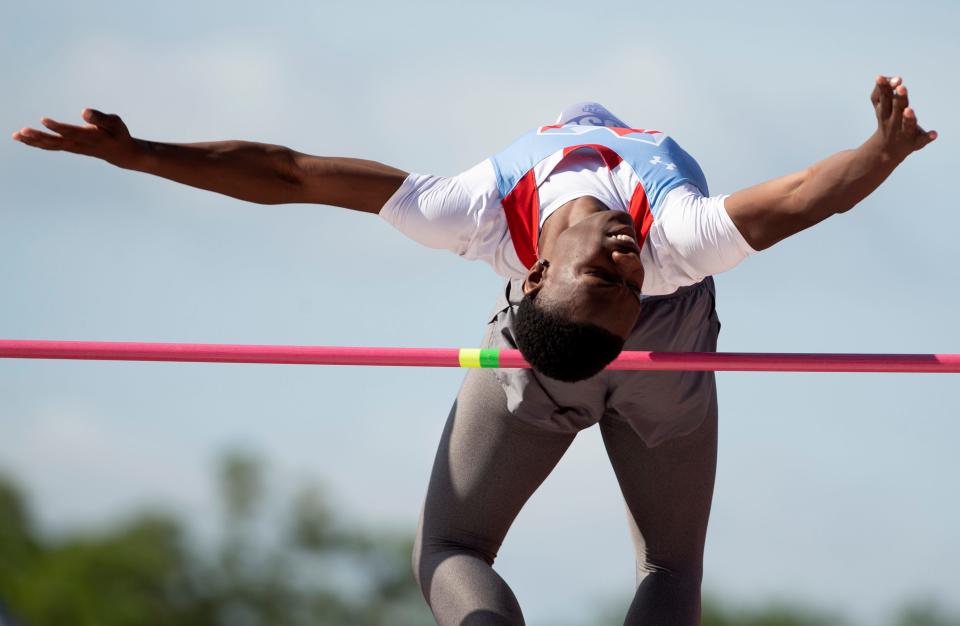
(136, 493)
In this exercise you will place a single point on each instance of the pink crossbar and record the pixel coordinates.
(450, 357)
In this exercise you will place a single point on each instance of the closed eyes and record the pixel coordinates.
(614, 281)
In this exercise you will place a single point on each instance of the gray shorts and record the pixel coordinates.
(658, 405)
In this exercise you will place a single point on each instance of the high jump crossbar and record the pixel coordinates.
(471, 357)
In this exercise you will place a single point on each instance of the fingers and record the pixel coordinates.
(67, 130)
(913, 132)
(897, 118)
(925, 138)
(889, 97)
(39, 139)
(88, 139)
(900, 103)
(93, 116)
(883, 97)
(66, 138)
(909, 122)
(875, 94)
(109, 123)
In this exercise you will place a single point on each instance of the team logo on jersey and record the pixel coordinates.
(652, 137)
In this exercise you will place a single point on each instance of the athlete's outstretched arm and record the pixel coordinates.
(772, 211)
(256, 172)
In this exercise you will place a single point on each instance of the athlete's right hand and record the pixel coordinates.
(898, 134)
(103, 136)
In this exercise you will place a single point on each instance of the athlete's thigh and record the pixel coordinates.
(668, 490)
(488, 464)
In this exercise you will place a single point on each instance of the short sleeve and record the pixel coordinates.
(462, 214)
(693, 238)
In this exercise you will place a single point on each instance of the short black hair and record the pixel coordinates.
(561, 348)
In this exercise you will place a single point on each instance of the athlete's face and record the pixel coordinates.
(593, 272)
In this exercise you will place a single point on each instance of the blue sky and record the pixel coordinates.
(832, 488)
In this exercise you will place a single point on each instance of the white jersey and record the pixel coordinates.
(692, 236)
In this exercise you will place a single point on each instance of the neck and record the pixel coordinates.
(563, 218)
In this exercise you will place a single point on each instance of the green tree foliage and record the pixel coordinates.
(925, 613)
(17, 546)
(773, 614)
(148, 571)
(288, 565)
(716, 613)
(131, 574)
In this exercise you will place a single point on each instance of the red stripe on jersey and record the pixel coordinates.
(522, 209)
(640, 211)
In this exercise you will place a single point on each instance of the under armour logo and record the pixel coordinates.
(657, 160)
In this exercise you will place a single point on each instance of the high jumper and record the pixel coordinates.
(608, 236)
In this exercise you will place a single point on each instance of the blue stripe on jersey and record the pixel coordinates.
(659, 162)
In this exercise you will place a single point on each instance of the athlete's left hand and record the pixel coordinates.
(898, 133)
(103, 137)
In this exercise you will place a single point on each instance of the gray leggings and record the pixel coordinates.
(489, 463)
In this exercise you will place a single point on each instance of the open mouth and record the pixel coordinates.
(626, 239)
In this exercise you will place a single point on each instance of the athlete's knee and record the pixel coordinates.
(680, 573)
(666, 596)
(429, 551)
(430, 548)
